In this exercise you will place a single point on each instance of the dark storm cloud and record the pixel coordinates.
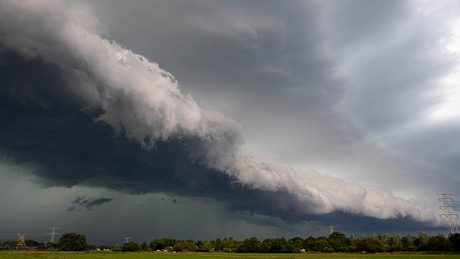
(85, 111)
(67, 147)
(349, 223)
(87, 203)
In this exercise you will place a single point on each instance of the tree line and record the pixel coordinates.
(335, 242)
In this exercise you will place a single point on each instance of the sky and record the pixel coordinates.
(203, 119)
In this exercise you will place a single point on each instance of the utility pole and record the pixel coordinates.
(53, 233)
(448, 212)
(127, 239)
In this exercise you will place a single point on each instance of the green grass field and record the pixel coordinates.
(142, 255)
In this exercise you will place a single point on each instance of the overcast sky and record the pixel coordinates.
(206, 119)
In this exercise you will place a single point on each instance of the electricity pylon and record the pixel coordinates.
(53, 233)
(448, 212)
(331, 229)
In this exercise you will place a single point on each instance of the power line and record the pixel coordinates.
(448, 212)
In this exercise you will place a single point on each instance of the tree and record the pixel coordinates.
(72, 242)
(279, 245)
(190, 245)
(369, 245)
(217, 244)
(308, 243)
(116, 248)
(408, 243)
(251, 245)
(144, 246)
(31, 243)
(41, 245)
(338, 241)
(454, 241)
(178, 246)
(51, 246)
(422, 241)
(131, 246)
(206, 246)
(438, 243)
(352, 240)
(9, 243)
(266, 244)
(157, 244)
(229, 244)
(386, 239)
(396, 243)
(321, 245)
(296, 242)
(199, 243)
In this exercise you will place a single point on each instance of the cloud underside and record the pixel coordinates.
(82, 110)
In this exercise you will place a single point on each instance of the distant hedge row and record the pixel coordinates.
(335, 242)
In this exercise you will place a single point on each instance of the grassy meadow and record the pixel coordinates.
(142, 255)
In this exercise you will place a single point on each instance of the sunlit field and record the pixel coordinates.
(140, 255)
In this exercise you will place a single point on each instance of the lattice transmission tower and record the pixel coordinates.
(448, 212)
(331, 229)
(53, 233)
